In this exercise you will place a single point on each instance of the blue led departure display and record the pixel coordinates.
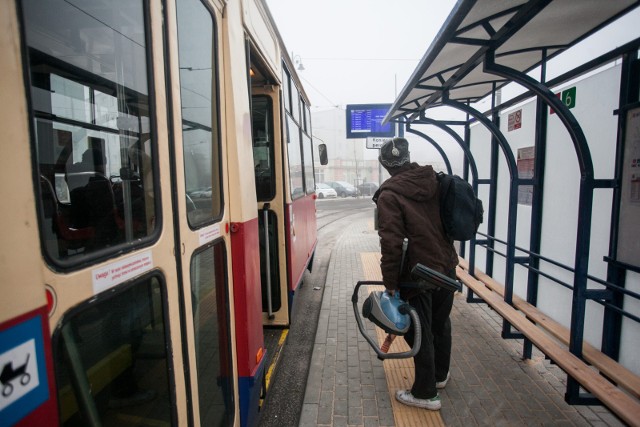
(365, 120)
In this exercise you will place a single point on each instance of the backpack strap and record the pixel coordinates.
(376, 195)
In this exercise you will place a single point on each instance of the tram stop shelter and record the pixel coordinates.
(512, 265)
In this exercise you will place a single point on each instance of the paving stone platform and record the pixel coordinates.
(491, 385)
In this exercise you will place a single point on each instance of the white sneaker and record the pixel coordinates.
(443, 383)
(405, 396)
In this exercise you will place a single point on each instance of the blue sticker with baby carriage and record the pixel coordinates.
(23, 376)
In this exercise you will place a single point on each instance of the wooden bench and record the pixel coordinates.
(553, 344)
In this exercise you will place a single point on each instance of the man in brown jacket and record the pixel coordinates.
(408, 206)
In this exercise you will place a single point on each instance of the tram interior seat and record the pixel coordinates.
(91, 197)
(90, 219)
(93, 205)
(59, 213)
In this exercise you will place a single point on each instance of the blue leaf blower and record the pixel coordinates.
(391, 314)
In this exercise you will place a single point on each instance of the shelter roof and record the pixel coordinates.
(521, 33)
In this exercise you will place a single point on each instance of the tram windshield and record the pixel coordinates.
(93, 134)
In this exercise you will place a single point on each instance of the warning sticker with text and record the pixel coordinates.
(120, 271)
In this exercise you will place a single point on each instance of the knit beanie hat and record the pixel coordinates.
(394, 153)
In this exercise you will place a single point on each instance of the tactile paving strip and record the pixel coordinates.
(399, 372)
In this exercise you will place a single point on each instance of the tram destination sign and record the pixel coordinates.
(365, 120)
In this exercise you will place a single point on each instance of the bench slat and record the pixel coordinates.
(606, 365)
(618, 373)
(619, 402)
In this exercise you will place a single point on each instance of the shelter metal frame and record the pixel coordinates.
(498, 43)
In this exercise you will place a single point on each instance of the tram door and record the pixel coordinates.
(97, 135)
(268, 168)
(129, 208)
(203, 200)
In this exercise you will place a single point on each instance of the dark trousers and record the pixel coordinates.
(432, 361)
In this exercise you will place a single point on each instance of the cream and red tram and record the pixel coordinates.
(141, 259)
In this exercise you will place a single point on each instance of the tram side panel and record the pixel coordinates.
(27, 382)
(118, 317)
(145, 300)
(300, 212)
(301, 238)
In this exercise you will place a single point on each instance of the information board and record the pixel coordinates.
(365, 120)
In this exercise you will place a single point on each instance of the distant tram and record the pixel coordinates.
(141, 258)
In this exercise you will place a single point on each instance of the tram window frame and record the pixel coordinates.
(220, 258)
(47, 124)
(197, 217)
(263, 154)
(155, 281)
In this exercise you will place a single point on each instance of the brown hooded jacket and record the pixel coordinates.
(408, 206)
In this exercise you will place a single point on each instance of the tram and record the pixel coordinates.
(141, 259)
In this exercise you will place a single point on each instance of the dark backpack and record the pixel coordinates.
(460, 210)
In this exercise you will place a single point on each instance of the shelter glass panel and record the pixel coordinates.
(199, 99)
(111, 359)
(93, 133)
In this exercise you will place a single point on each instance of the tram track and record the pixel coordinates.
(324, 219)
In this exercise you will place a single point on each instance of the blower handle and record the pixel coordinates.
(438, 279)
(417, 340)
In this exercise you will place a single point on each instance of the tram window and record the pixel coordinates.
(212, 337)
(90, 100)
(262, 119)
(307, 158)
(286, 93)
(110, 358)
(307, 118)
(295, 103)
(199, 97)
(295, 158)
